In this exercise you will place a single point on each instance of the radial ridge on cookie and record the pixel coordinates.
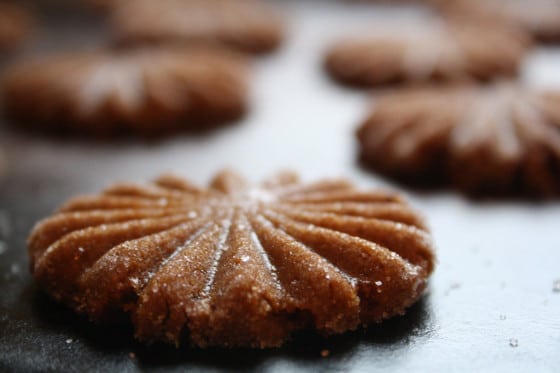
(234, 264)
(441, 51)
(132, 91)
(247, 25)
(498, 139)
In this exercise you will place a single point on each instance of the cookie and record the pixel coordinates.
(445, 51)
(541, 18)
(497, 139)
(134, 91)
(15, 25)
(234, 264)
(246, 25)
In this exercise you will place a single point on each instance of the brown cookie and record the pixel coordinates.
(247, 25)
(15, 25)
(501, 138)
(541, 18)
(455, 50)
(145, 90)
(233, 264)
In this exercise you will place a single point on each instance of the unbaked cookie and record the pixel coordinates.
(15, 25)
(233, 264)
(502, 138)
(144, 90)
(454, 50)
(247, 25)
(539, 17)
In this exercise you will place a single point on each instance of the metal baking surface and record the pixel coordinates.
(492, 304)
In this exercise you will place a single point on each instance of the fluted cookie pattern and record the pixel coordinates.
(443, 51)
(138, 91)
(502, 138)
(233, 264)
(246, 25)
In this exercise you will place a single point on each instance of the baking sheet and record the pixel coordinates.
(491, 305)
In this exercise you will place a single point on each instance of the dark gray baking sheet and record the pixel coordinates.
(491, 304)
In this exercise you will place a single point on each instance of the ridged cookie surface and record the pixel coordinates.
(441, 51)
(234, 264)
(497, 139)
(135, 91)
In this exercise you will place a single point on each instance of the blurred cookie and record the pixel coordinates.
(145, 90)
(498, 139)
(234, 264)
(99, 5)
(247, 25)
(15, 25)
(541, 18)
(451, 51)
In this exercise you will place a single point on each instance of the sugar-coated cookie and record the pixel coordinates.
(444, 51)
(233, 264)
(497, 139)
(137, 91)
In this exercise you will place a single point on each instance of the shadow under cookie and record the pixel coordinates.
(116, 342)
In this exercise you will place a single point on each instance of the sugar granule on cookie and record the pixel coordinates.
(246, 25)
(441, 51)
(497, 139)
(131, 91)
(234, 264)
